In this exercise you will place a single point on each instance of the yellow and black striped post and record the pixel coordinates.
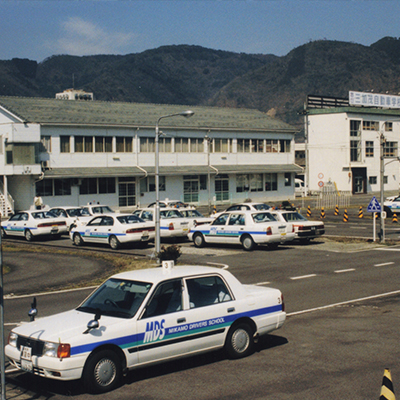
(377, 215)
(345, 216)
(387, 391)
(308, 211)
(360, 213)
(322, 213)
(394, 218)
(336, 210)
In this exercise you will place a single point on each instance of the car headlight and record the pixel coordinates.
(58, 350)
(12, 339)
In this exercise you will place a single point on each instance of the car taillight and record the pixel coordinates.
(171, 226)
(64, 350)
(269, 231)
(139, 230)
(47, 224)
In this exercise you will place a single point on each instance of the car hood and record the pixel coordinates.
(63, 327)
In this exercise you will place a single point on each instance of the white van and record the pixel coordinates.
(299, 187)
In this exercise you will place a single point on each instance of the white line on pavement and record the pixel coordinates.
(383, 264)
(339, 271)
(303, 277)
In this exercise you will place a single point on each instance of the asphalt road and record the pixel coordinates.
(342, 328)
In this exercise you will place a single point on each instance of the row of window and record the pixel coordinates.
(104, 144)
(355, 127)
(390, 149)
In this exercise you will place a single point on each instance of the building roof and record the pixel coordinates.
(118, 114)
(65, 173)
(355, 110)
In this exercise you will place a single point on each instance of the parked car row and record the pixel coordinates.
(247, 224)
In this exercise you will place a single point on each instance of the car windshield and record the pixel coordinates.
(261, 206)
(44, 214)
(263, 217)
(170, 214)
(116, 298)
(192, 214)
(129, 219)
(85, 212)
(221, 220)
(293, 217)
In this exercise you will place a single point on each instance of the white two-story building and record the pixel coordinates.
(76, 152)
(345, 141)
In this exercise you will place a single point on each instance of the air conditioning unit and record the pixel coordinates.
(45, 165)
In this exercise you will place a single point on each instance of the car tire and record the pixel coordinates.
(114, 242)
(78, 241)
(248, 243)
(198, 240)
(28, 235)
(239, 341)
(102, 372)
(3, 233)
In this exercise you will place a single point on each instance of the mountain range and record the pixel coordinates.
(194, 75)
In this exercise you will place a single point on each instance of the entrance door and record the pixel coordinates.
(359, 180)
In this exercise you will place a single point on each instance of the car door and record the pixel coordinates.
(162, 326)
(105, 229)
(17, 224)
(236, 226)
(216, 233)
(92, 232)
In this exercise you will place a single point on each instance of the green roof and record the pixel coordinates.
(354, 110)
(100, 113)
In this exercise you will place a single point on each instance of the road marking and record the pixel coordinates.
(383, 264)
(357, 227)
(343, 303)
(339, 271)
(386, 249)
(22, 296)
(262, 283)
(303, 277)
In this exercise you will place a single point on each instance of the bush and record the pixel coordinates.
(172, 252)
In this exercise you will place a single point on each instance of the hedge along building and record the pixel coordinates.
(76, 152)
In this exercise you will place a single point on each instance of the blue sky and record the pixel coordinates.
(37, 29)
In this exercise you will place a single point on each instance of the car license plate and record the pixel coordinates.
(145, 236)
(54, 229)
(26, 359)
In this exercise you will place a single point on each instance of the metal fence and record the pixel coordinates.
(329, 197)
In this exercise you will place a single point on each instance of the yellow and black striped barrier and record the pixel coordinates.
(345, 216)
(322, 213)
(360, 213)
(336, 210)
(387, 391)
(394, 218)
(308, 211)
(377, 215)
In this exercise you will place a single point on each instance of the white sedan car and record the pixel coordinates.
(171, 204)
(247, 228)
(172, 222)
(115, 230)
(143, 317)
(70, 213)
(247, 206)
(392, 205)
(195, 217)
(304, 229)
(30, 224)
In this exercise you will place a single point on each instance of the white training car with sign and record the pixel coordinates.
(115, 230)
(304, 229)
(30, 224)
(195, 217)
(172, 222)
(392, 206)
(247, 228)
(247, 206)
(142, 317)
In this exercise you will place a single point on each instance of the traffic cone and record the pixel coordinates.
(308, 211)
(394, 218)
(322, 213)
(360, 213)
(336, 210)
(387, 391)
(345, 216)
(214, 211)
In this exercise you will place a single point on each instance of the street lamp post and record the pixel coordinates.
(186, 114)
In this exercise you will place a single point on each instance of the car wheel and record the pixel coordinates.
(198, 240)
(114, 243)
(78, 241)
(3, 233)
(248, 243)
(239, 341)
(102, 372)
(28, 235)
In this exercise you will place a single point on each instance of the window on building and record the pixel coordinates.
(83, 144)
(106, 185)
(165, 145)
(370, 125)
(271, 146)
(191, 184)
(249, 182)
(355, 128)
(147, 145)
(389, 126)
(62, 187)
(390, 149)
(65, 146)
(124, 144)
(181, 145)
(243, 145)
(355, 150)
(46, 143)
(103, 144)
(44, 187)
(373, 180)
(385, 180)
(221, 145)
(271, 182)
(126, 191)
(369, 148)
(222, 187)
(284, 146)
(88, 186)
(148, 184)
(22, 153)
(288, 179)
(196, 145)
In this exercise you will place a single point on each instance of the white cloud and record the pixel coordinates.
(81, 37)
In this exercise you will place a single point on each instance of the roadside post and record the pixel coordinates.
(374, 207)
